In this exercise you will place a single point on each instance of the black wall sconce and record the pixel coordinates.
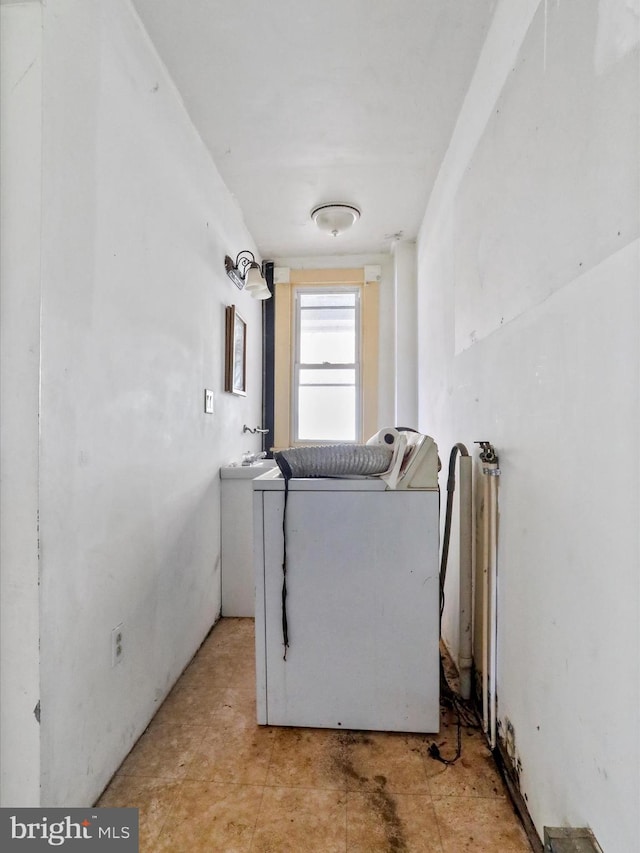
(246, 274)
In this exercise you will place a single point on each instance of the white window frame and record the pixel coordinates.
(298, 291)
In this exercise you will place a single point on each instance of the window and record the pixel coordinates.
(326, 380)
(325, 357)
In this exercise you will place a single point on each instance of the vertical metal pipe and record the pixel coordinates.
(492, 473)
(465, 656)
(485, 602)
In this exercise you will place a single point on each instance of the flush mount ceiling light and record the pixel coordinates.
(247, 275)
(334, 218)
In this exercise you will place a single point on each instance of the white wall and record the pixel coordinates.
(20, 168)
(406, 333)
(528, 266)
(135, 225)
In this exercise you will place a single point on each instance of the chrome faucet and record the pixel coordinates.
(249, 458)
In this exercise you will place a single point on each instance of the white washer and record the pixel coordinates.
(362, 605)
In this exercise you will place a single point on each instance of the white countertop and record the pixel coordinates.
(246, 472)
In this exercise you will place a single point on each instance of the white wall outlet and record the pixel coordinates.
(117, 645)
(208, 402)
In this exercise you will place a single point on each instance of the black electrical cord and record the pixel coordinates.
(285, 624)
(287, 474)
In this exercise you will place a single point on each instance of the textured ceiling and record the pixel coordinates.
(306, 102)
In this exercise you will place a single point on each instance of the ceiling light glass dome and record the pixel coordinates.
(335, 217)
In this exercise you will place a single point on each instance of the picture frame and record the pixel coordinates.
(235, 362)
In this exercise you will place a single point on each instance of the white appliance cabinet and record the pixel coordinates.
(236, 535)
(362, 605)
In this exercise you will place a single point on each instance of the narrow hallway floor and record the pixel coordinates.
(207, 778)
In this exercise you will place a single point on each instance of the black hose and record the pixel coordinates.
(451, 487)
(448, 696)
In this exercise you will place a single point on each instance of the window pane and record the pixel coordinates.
(327, 413)
(322, 300)
(328, 335)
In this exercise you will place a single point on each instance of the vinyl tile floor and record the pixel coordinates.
(206, 777)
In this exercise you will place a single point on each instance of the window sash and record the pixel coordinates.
(299, 366)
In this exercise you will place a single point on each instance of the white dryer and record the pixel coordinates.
(361, 606)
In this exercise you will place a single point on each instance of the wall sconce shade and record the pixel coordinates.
(246, 274)
(261, 293)
(253, 279)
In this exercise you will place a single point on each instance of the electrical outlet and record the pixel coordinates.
(208, 402)
(117, 645)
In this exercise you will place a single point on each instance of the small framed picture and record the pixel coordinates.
(235, 361)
